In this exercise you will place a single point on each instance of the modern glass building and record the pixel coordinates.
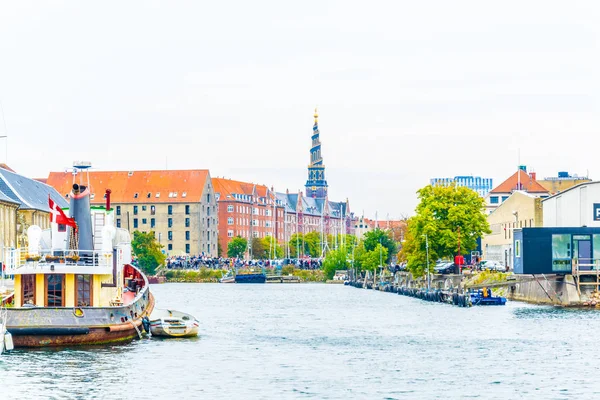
(481, 185)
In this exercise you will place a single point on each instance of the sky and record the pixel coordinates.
(406, 90)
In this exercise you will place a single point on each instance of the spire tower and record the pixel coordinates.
(316, 185)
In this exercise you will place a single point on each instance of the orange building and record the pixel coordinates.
(178, 205)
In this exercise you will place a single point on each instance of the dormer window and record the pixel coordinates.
(149, 195)
(170, 194)
(184, 194)
(174, 194)
(157, 194)
(135, 196)
(92, 196)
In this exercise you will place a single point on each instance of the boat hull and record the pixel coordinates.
(250, 278)
(170, 331)
(40, 326)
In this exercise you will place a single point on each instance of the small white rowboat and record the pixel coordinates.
(173, 323)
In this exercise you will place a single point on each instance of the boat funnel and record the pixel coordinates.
(80, 211)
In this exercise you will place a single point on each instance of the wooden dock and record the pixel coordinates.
(283, 279)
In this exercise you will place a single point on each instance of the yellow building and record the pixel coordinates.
(519, 210)
(562, 182)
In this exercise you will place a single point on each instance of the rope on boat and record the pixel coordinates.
(136, 328)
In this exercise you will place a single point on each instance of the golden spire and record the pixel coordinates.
(316, 116)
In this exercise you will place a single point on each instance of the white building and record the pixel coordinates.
(576, 206)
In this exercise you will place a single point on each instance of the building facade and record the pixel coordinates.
(24, 202)
(577, 206)
(520, 210)
(562, 182)
(519, 181)
(179, 206)
(247, 210)
(478, 184)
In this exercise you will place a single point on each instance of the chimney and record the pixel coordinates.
(532, 175)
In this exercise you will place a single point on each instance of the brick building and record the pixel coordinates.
(178, 205)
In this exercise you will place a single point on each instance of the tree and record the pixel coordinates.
(259, 251)
(237, 247)
(441, 214)
(219, 249)
(335, 260)
(313, 243)
(377, 236)
(148, 251)
(272, 248)
(371, 260)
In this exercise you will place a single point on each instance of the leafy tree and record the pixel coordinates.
(272, 248)
(371, 260)
(259, 251)
(219, 249)
(335, 260)
(313, 243)
(237, 247)
(441, 213)
(147, 250)
(377, 236)
(296, 242)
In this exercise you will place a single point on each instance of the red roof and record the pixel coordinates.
(228, 187)
(167, 186)
(528, 184)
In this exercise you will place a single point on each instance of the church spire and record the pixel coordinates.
(316, 185)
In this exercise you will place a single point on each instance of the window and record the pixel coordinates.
(208, 197)
(54, 290)
(149, 195)
(83, 290)
(494, 200)
(135, 210)
(187, 209)
(170, 222)
(187, 235)
(229, 208)
(170, 210)
(187, 222)
(184, 194)
(152, 210)
(143, 208)
(504, 198)
(135, 196)
(144, 221)
(254, 234)
(255, 211)
(118, 222)
(268, 224)
(118, 210)
(135, 223)
(152, 222)
(208, 235)
(157, 195)
(517, 248)
(28, 288)
(170, 235)
(254, 222)
(208, 211)
(230, 221)
(170, 246)
(268, 212)
(230, 233)
(561, 253)
(62, 228)
(187, 248)
(208, 222)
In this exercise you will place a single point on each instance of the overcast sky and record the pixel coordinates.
(406, 90)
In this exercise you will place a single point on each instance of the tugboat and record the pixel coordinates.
(75, 284)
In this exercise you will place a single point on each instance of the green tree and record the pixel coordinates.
(295, 244)
(148, 251)
(377, 236)
(335, 260)
(219, 249)
(313, 243)
(272, 248)
(372, 260)
(237, 247)
(259, 251)
(441, 214)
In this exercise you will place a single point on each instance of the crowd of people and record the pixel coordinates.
(197, 262)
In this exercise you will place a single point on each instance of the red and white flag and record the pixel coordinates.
(58, 215)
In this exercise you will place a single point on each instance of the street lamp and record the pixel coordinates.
(427, 252)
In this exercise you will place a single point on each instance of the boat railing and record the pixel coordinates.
(18, 258)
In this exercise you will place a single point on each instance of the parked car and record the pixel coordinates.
(446, 268)
(490, 265)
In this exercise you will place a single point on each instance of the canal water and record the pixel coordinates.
(303, 341)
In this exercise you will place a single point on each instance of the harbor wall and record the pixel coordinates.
(552, 290)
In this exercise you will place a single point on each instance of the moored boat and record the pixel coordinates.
(173, 323)
(75, 283)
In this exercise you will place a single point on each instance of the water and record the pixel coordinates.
(327, 342)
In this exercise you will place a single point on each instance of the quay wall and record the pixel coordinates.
(552, 290)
